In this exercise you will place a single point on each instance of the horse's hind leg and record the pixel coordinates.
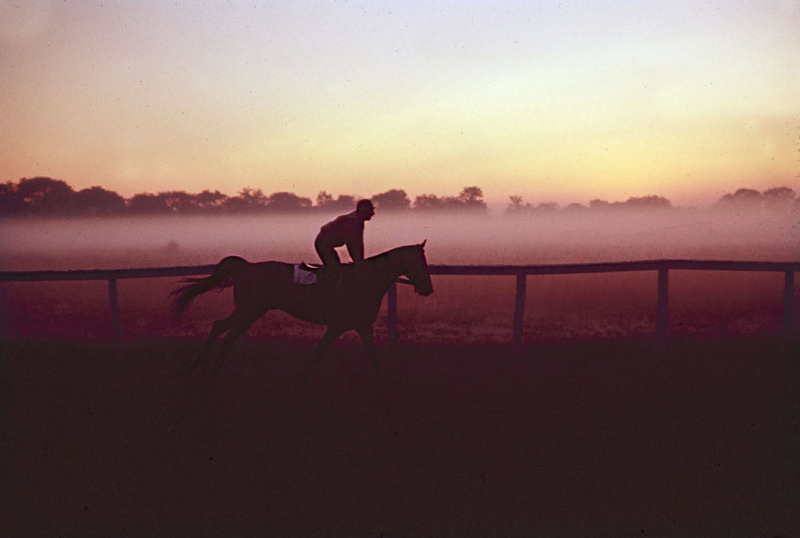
(219, 327)
(238, 323)
(327, 339)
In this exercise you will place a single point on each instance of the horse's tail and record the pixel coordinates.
(223, 276)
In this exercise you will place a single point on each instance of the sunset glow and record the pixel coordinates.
(553, 101)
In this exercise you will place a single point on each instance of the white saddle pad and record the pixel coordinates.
(304, 277)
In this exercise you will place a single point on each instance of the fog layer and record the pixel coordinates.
(452, 238)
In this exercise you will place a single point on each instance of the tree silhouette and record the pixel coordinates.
(472, 198)
(288, 202)
(208, 201)
(469, 198)
(778, 198)
(575, 208)
(148, 204)
(249, 201)
(10, 201)
(741, 199)
(46, 196)
(598, 204)
(179, 201)
(515, 202)
(392, 200)
(346, 202)
(648, 202)
(324, 198)
(343, 202)
(97, 201)
(427, 202)
(516, 206)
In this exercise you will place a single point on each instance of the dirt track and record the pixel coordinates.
(581, 438)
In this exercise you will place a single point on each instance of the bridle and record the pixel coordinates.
(403, 280)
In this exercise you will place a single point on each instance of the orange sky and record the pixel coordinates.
(554, 101)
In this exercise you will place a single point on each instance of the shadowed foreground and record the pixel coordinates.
(601, 438)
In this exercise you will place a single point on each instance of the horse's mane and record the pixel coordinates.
(384, 255)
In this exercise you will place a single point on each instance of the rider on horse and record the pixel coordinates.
(344, 230)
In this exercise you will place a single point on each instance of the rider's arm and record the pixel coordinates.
(355, 246)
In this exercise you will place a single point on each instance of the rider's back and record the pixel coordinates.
(342, 230)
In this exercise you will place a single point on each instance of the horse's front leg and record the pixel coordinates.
(331, 334)
(368, 339)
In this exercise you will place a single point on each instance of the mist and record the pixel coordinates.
(454, 238)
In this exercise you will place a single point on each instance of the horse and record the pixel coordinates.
(351, 305)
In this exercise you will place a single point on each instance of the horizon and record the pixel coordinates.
(555, 103)
(50, 197)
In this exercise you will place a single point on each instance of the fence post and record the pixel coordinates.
(519, 315)
(788, 303)
(662, 313)
(115, 321)
(392, 314)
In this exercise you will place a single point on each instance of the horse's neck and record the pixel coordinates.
(386, 271)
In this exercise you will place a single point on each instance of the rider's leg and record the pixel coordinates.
(331, 274)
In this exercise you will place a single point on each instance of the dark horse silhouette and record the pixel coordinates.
(264, 286)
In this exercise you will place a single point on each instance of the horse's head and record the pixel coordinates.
(416, 269)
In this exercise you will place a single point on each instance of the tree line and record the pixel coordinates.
(777, 199)
(44, 196)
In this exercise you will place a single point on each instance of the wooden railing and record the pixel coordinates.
(521, 272)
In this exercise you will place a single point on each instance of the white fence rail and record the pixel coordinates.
(521, 272)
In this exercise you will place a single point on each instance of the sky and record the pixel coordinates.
(552, 101)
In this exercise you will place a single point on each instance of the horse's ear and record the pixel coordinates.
(423, 243)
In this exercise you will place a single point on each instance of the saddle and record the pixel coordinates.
(306, 273)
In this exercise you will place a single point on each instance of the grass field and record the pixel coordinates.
(598, 438)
